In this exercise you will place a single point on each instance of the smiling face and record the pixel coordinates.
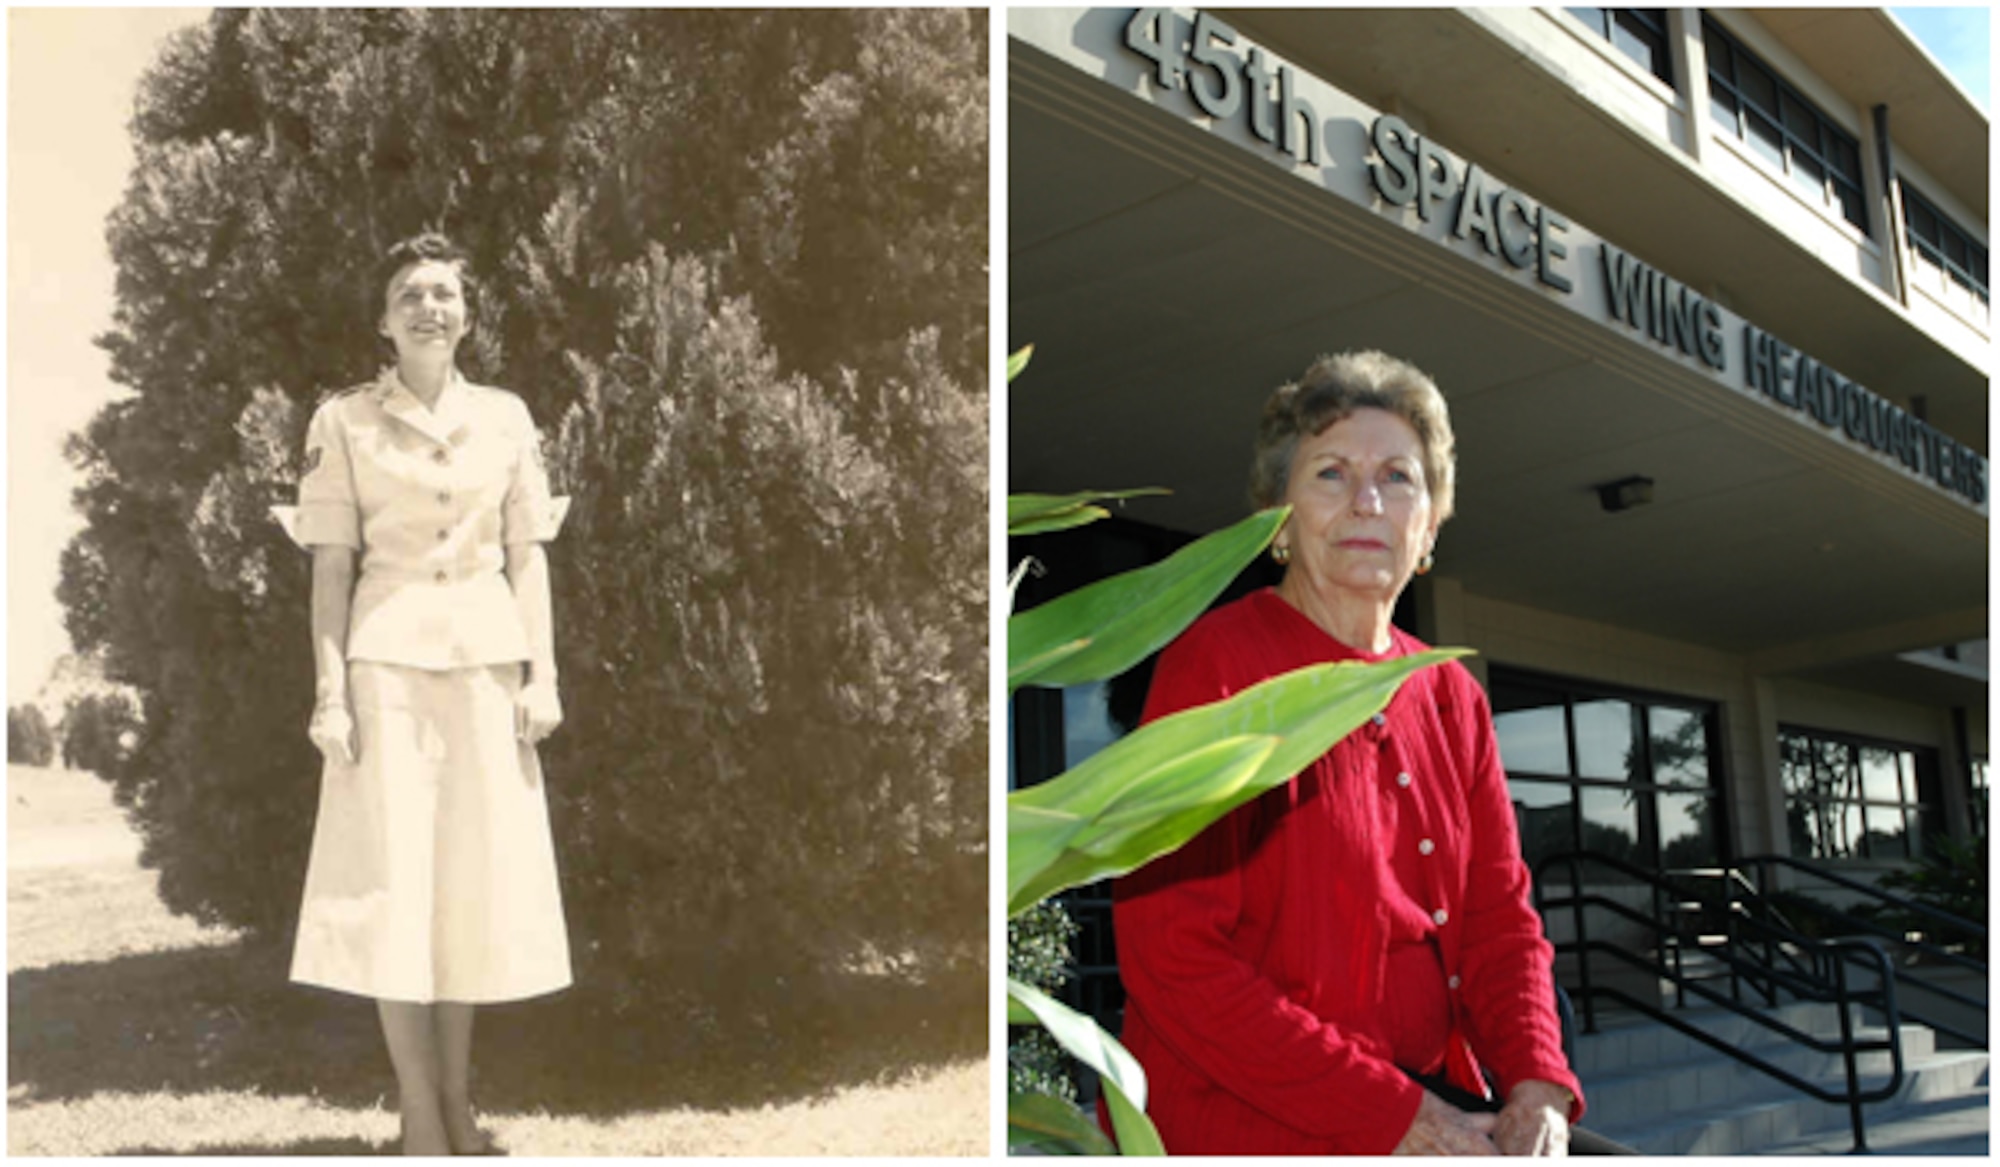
(425, 314)
(1361, 509)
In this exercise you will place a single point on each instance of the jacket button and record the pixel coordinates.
(1451, 982)
(1379, 719)
(1425, 846)
(1403, 779)
(444, 496)
(1440, 916)
(440, 457)
(443, 534)
(441, 577)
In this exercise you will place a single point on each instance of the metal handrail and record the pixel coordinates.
(1967, 929)
(1827, 982)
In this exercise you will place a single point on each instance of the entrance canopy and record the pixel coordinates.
(1169, 279)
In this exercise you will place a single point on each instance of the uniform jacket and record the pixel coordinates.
(431, 498)
(1267, 963)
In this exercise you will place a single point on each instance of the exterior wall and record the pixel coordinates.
(1816, 226)
(1600, 73)
(1680, 122)
(1549, 642)
(1812, 706)
(1751, 708)
(1941, 305)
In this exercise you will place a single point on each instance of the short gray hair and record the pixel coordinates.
(1331, 390)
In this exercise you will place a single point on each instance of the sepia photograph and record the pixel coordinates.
(497, 553)
(1499, 510)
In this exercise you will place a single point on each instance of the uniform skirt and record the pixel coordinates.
(433, 874)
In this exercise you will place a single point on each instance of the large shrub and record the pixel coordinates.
(734, 264)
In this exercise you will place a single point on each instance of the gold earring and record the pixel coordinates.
(1425, 564)
(1281, 554)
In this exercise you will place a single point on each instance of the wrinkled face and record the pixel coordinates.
(425, 310)
(1361, 508)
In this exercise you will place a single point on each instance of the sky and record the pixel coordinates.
(70, 81)
(1961, 40)
(71, 76)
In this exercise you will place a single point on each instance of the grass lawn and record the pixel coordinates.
(131, 1031)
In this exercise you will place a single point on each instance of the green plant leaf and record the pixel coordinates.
(1080, 517)
(1050, 1126)
(1018, 361)
(1118, 1071)
(1116, 622)
(1159, 786)
(1036, 838)
(1033, 514)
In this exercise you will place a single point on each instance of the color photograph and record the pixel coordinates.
(1498, 646)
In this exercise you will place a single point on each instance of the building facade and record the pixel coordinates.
(1706, 291)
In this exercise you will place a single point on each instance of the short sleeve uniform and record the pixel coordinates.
(433, 873)
(430, 498)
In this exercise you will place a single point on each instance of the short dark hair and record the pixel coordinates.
(431, 245)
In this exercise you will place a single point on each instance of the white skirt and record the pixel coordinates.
(433, 873)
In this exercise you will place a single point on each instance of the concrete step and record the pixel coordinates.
(1720, 1123)
(1637, 1042)
(1953, 1126)
(1707, 1078)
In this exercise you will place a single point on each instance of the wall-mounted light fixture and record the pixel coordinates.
(1625, 493)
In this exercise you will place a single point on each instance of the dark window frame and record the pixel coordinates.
(1934, 244)
(1782, 125)
(1655, 790)
(1918, 800)
(1645, 27)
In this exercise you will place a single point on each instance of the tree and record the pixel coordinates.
(29, 742)
(734, 264)
(98, 731)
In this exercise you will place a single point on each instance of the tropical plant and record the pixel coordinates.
(1157, 787)
(1038, 954)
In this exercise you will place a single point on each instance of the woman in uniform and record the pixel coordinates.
(432, 884)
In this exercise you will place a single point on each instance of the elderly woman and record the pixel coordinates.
(1327, 969)
(432, 884)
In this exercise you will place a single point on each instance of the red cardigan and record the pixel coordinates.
(1374, 909)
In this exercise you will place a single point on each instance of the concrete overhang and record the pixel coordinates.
(1913, 677)
(1169, 281)
(1486, 94)
(1871, 59)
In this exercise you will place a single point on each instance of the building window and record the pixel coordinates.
(1639, 33)
(1629, 775)
(1780, 126)
(1940, 242)
(1854, 798)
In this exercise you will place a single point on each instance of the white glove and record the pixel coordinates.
(537, 711)
(332, 730)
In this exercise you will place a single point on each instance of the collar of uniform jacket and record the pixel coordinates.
(440, 422)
